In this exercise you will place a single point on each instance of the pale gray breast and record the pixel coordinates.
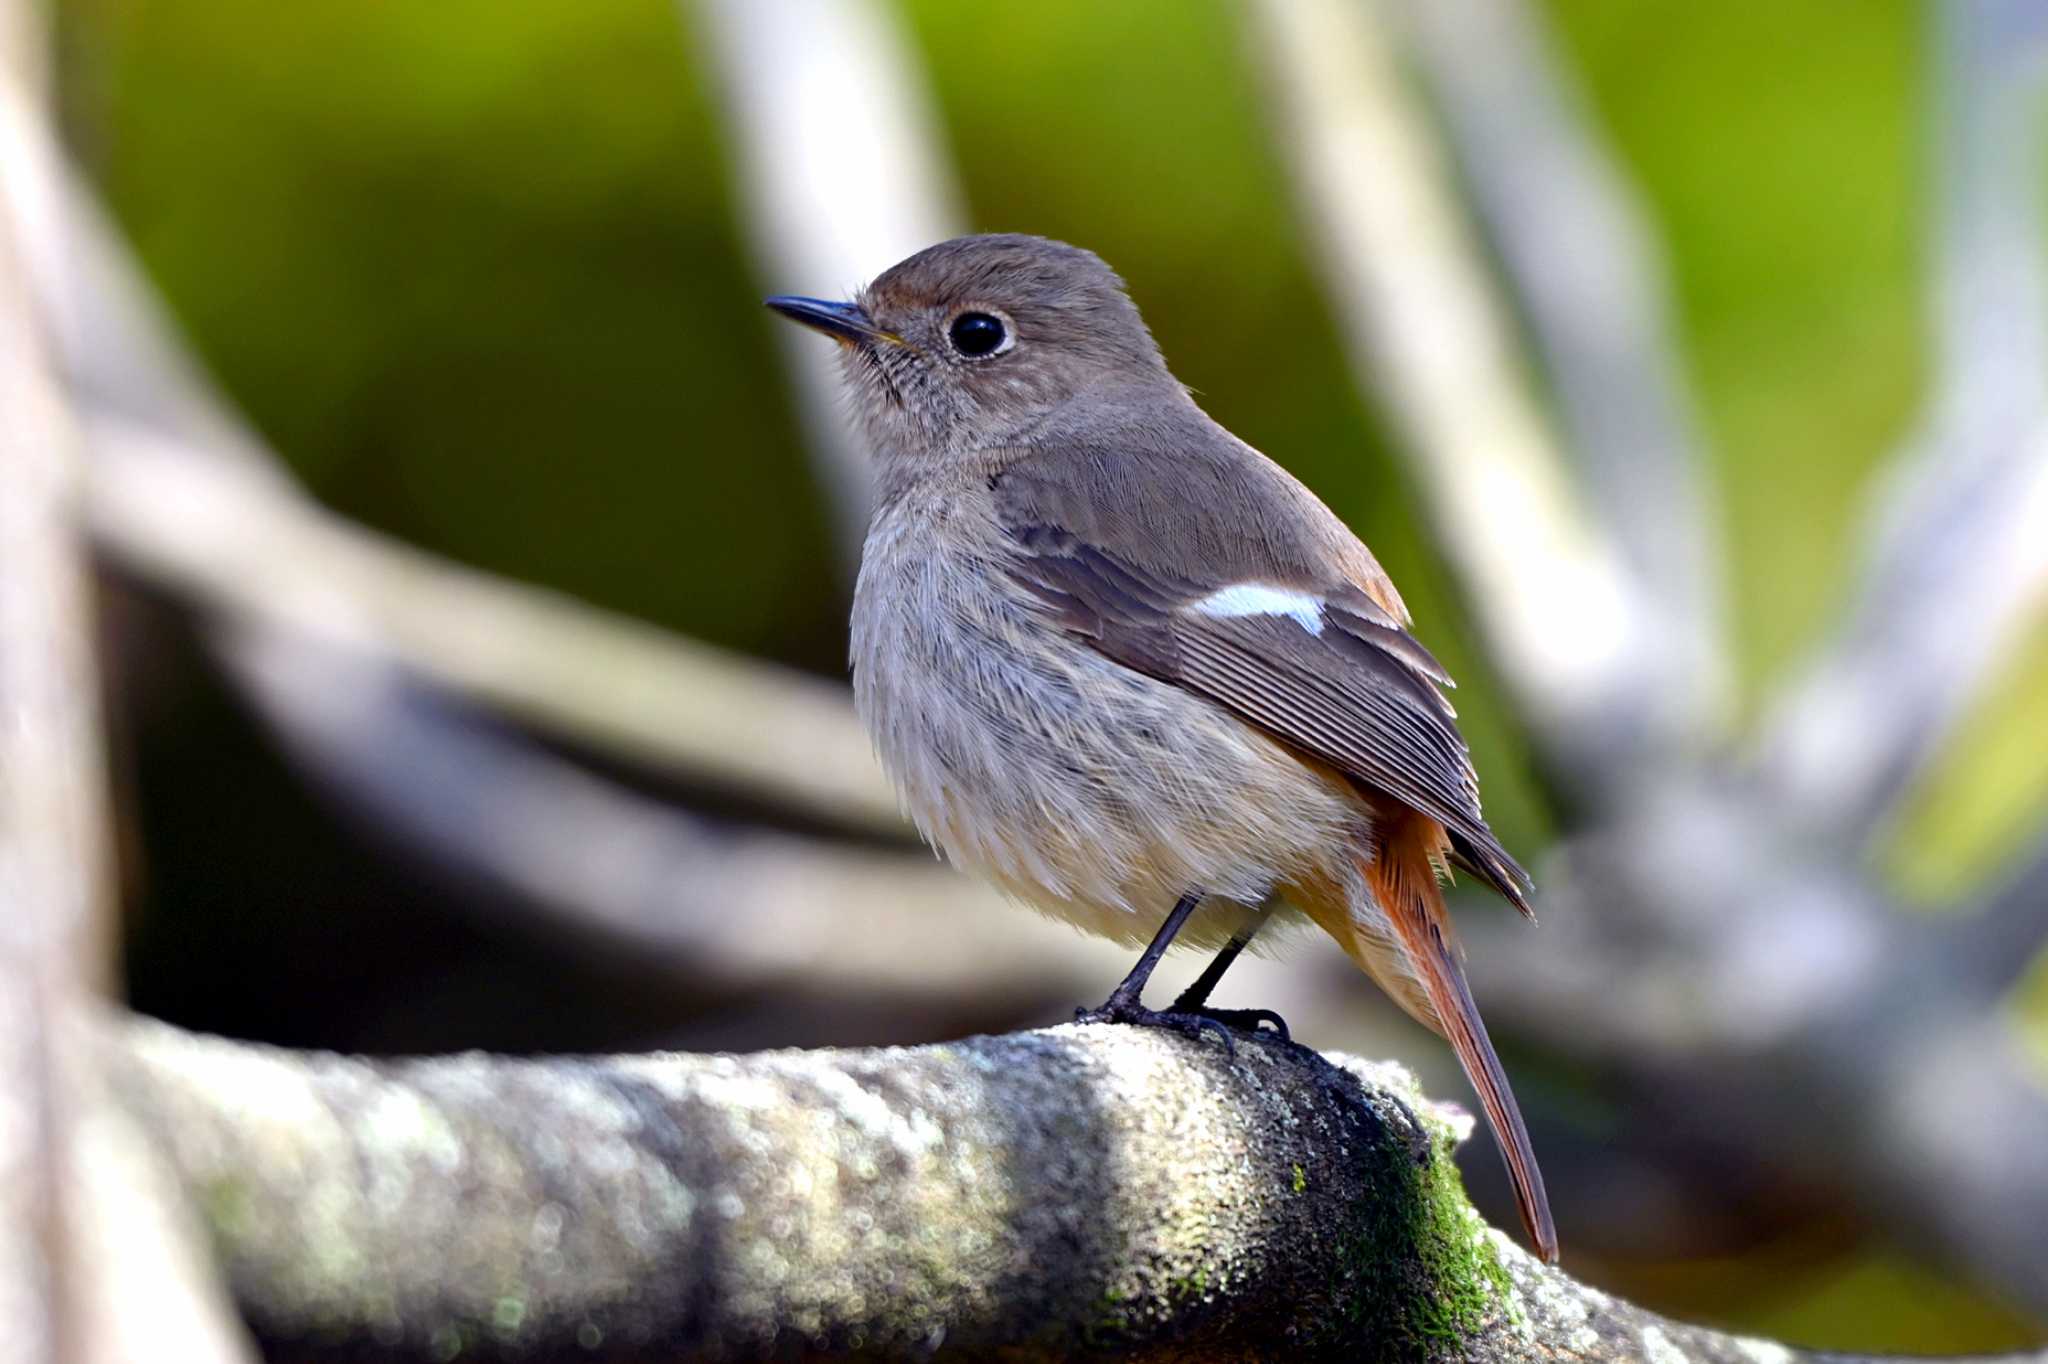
(1024, 754)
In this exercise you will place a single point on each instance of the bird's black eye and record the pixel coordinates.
(975, 334)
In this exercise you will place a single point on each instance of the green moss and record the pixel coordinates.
(1300, 1178)
(1419, 1276)
(1471, 1282)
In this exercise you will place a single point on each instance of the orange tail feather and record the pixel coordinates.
(1404, 880)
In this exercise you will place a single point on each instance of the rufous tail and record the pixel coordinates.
(1421, 970)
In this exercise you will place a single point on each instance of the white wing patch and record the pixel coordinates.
(1257, 599)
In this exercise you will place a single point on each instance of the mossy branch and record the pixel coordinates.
(1072, 1193)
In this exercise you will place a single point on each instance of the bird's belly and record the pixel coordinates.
(1088, 790)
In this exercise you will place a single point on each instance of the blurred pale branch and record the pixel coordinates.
(95, 1264)
(257, 552)
(50, 854)
(1079, 1193)
(722, 906)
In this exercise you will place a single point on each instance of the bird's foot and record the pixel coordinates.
(1122, 1010)
(1188, 1018)
(1238, 1020)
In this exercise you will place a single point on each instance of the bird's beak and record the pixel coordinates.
(846, 322)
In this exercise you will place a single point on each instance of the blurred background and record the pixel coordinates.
(486, 278)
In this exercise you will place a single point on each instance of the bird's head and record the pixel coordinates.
(969, 344)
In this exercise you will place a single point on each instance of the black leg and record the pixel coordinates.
(1129, 994)
(1195, 999)
(1197, 994)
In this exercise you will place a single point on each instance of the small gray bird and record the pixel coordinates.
(1129, 669)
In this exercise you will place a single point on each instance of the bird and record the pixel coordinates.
(1133, 672)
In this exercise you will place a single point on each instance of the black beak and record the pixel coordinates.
(840, 321)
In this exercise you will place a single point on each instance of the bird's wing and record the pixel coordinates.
(1209, 572)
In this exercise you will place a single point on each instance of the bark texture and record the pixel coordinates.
(1075, 1193)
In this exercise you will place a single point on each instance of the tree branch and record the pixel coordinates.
(1999, 937)
(1083, 1192)
(84, 1240)
(600, 868)
(51, 855)
(258, 554)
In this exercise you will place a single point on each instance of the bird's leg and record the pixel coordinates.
(1126, 1002)
(1128, 996)
(1195, 999)
(1196, 996)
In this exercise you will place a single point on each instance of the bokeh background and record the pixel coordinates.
(478, 272)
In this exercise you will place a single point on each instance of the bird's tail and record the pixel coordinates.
(1419, 967)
